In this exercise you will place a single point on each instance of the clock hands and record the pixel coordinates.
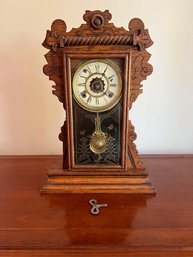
(104, 72)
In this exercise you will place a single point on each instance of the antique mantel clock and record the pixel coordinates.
(97, 69)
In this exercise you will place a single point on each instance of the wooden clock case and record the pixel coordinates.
(98, 38)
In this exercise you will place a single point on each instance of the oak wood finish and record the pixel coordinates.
(61, 225)
(98, 38)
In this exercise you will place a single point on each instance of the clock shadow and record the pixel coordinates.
(112, 225)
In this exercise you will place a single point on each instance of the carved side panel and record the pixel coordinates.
(140, 69)
(54, 69)
(63, 138)
(133, 153)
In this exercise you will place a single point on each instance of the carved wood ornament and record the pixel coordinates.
(98, 37)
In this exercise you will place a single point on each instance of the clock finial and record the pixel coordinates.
(97, 19)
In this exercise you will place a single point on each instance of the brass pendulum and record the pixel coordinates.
(98, 142)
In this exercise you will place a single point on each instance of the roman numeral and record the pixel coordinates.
(111, 77)
(83, 77)
(89, 99)
(88, 69)
(113, 85)
(105, 99)
(97, 67)
(81, 84)
(97, 101)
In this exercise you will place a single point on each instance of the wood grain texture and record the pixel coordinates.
(64, 181)
(32, 224)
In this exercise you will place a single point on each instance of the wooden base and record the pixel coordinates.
(61, 181)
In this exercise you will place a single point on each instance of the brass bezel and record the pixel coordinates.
(110, 105)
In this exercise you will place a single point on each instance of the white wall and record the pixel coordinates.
(31, 117)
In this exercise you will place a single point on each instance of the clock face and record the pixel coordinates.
(97, 85)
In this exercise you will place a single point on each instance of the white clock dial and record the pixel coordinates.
(97, 85)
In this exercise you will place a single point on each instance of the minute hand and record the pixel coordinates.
(104, 72)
